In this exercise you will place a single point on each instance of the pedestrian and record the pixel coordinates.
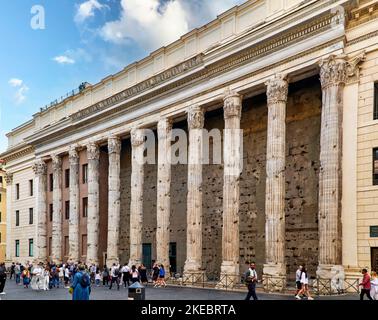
(81, 286)
(46, 278)
(143, 274)
(162, 276)
(374, 285)
(155, 273)
(61, 273)
(12, 274)
(304, 284)
(126, 275)
(105, 276)
(98, 278)
(365, 284)
(17, 272)
(298, 280)
(251, 281)
(3, 278)
(66, 276)
(134, 274)
(26, 277)
(114, 272)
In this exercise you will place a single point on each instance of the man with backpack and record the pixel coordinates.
(81, 286)
(251, 280)
(114, 273)
(3, 277)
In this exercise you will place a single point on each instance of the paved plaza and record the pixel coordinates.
(15, 292)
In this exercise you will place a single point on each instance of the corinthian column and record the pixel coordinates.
(193, 263)
(74, 205)
(93, 155)
(56, 245)
(232, 157)
(333, 76)
(275, 267)
(114, 209)
(163, 206)
(136, 206)
(9, 239)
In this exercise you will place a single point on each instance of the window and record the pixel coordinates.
(84, 245)
(31, 245)
(51, 211)
(0, 196)
(31, 188)
(0, 237)
(17, 218)
(67, 178)
(85, 207)
(66, 246)
(31, 215)
(67, 210)
(51, 182)
(375, 101)
(17, 191)
(1, 180)
(375, 166)
(17, 247)
(0, 216)
(85, 173)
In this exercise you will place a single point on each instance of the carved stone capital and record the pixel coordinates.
(333, 71)
(277, 89)
(56, 162)
(232, 104)
(196, 119)
(9, 178)
(93, 151)
(73, 155)
(137, 137)
(114, 144)
(40, 167)
(164, 127)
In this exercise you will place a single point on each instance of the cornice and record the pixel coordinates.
(18, 153)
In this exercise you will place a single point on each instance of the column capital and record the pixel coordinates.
(137, 137)
(196, 119)
(164, 126)
(333, 71)
(56, 162)
(232, 104)
(114, 144)
(73, 155)
(9, 178)
(93, 151)
(40, 167)
(277, 89)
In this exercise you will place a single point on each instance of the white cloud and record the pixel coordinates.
(64, 60)
(87, 10)
(19, 95)
(153, 23)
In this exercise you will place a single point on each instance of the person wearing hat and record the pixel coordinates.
(81, 286)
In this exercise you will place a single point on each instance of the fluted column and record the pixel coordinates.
(93, 155)
(193, 263)
(232, 157)
(9, 239)
(275, 266)
(164, 129)
(333, 76)
(114, 204)
(73, 232)
(136, 206)
(56, 245)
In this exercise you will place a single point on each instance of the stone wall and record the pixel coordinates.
(302, 163)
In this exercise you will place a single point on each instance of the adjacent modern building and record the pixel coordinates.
(3, 208)
(298, 79)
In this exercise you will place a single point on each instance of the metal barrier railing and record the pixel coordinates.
(339, 286)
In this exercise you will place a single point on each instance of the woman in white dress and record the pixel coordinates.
(304, 283)
(46, 278)
(374, 285)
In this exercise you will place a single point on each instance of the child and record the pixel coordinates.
(98, 278)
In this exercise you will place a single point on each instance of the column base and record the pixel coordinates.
(330, 279)
(110, 261)
(274, 277)
(229, 275)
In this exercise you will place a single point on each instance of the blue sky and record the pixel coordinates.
(83, 40)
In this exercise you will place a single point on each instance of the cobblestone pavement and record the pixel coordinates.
(14, 292)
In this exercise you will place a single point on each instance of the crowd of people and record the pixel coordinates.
(73, 276)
